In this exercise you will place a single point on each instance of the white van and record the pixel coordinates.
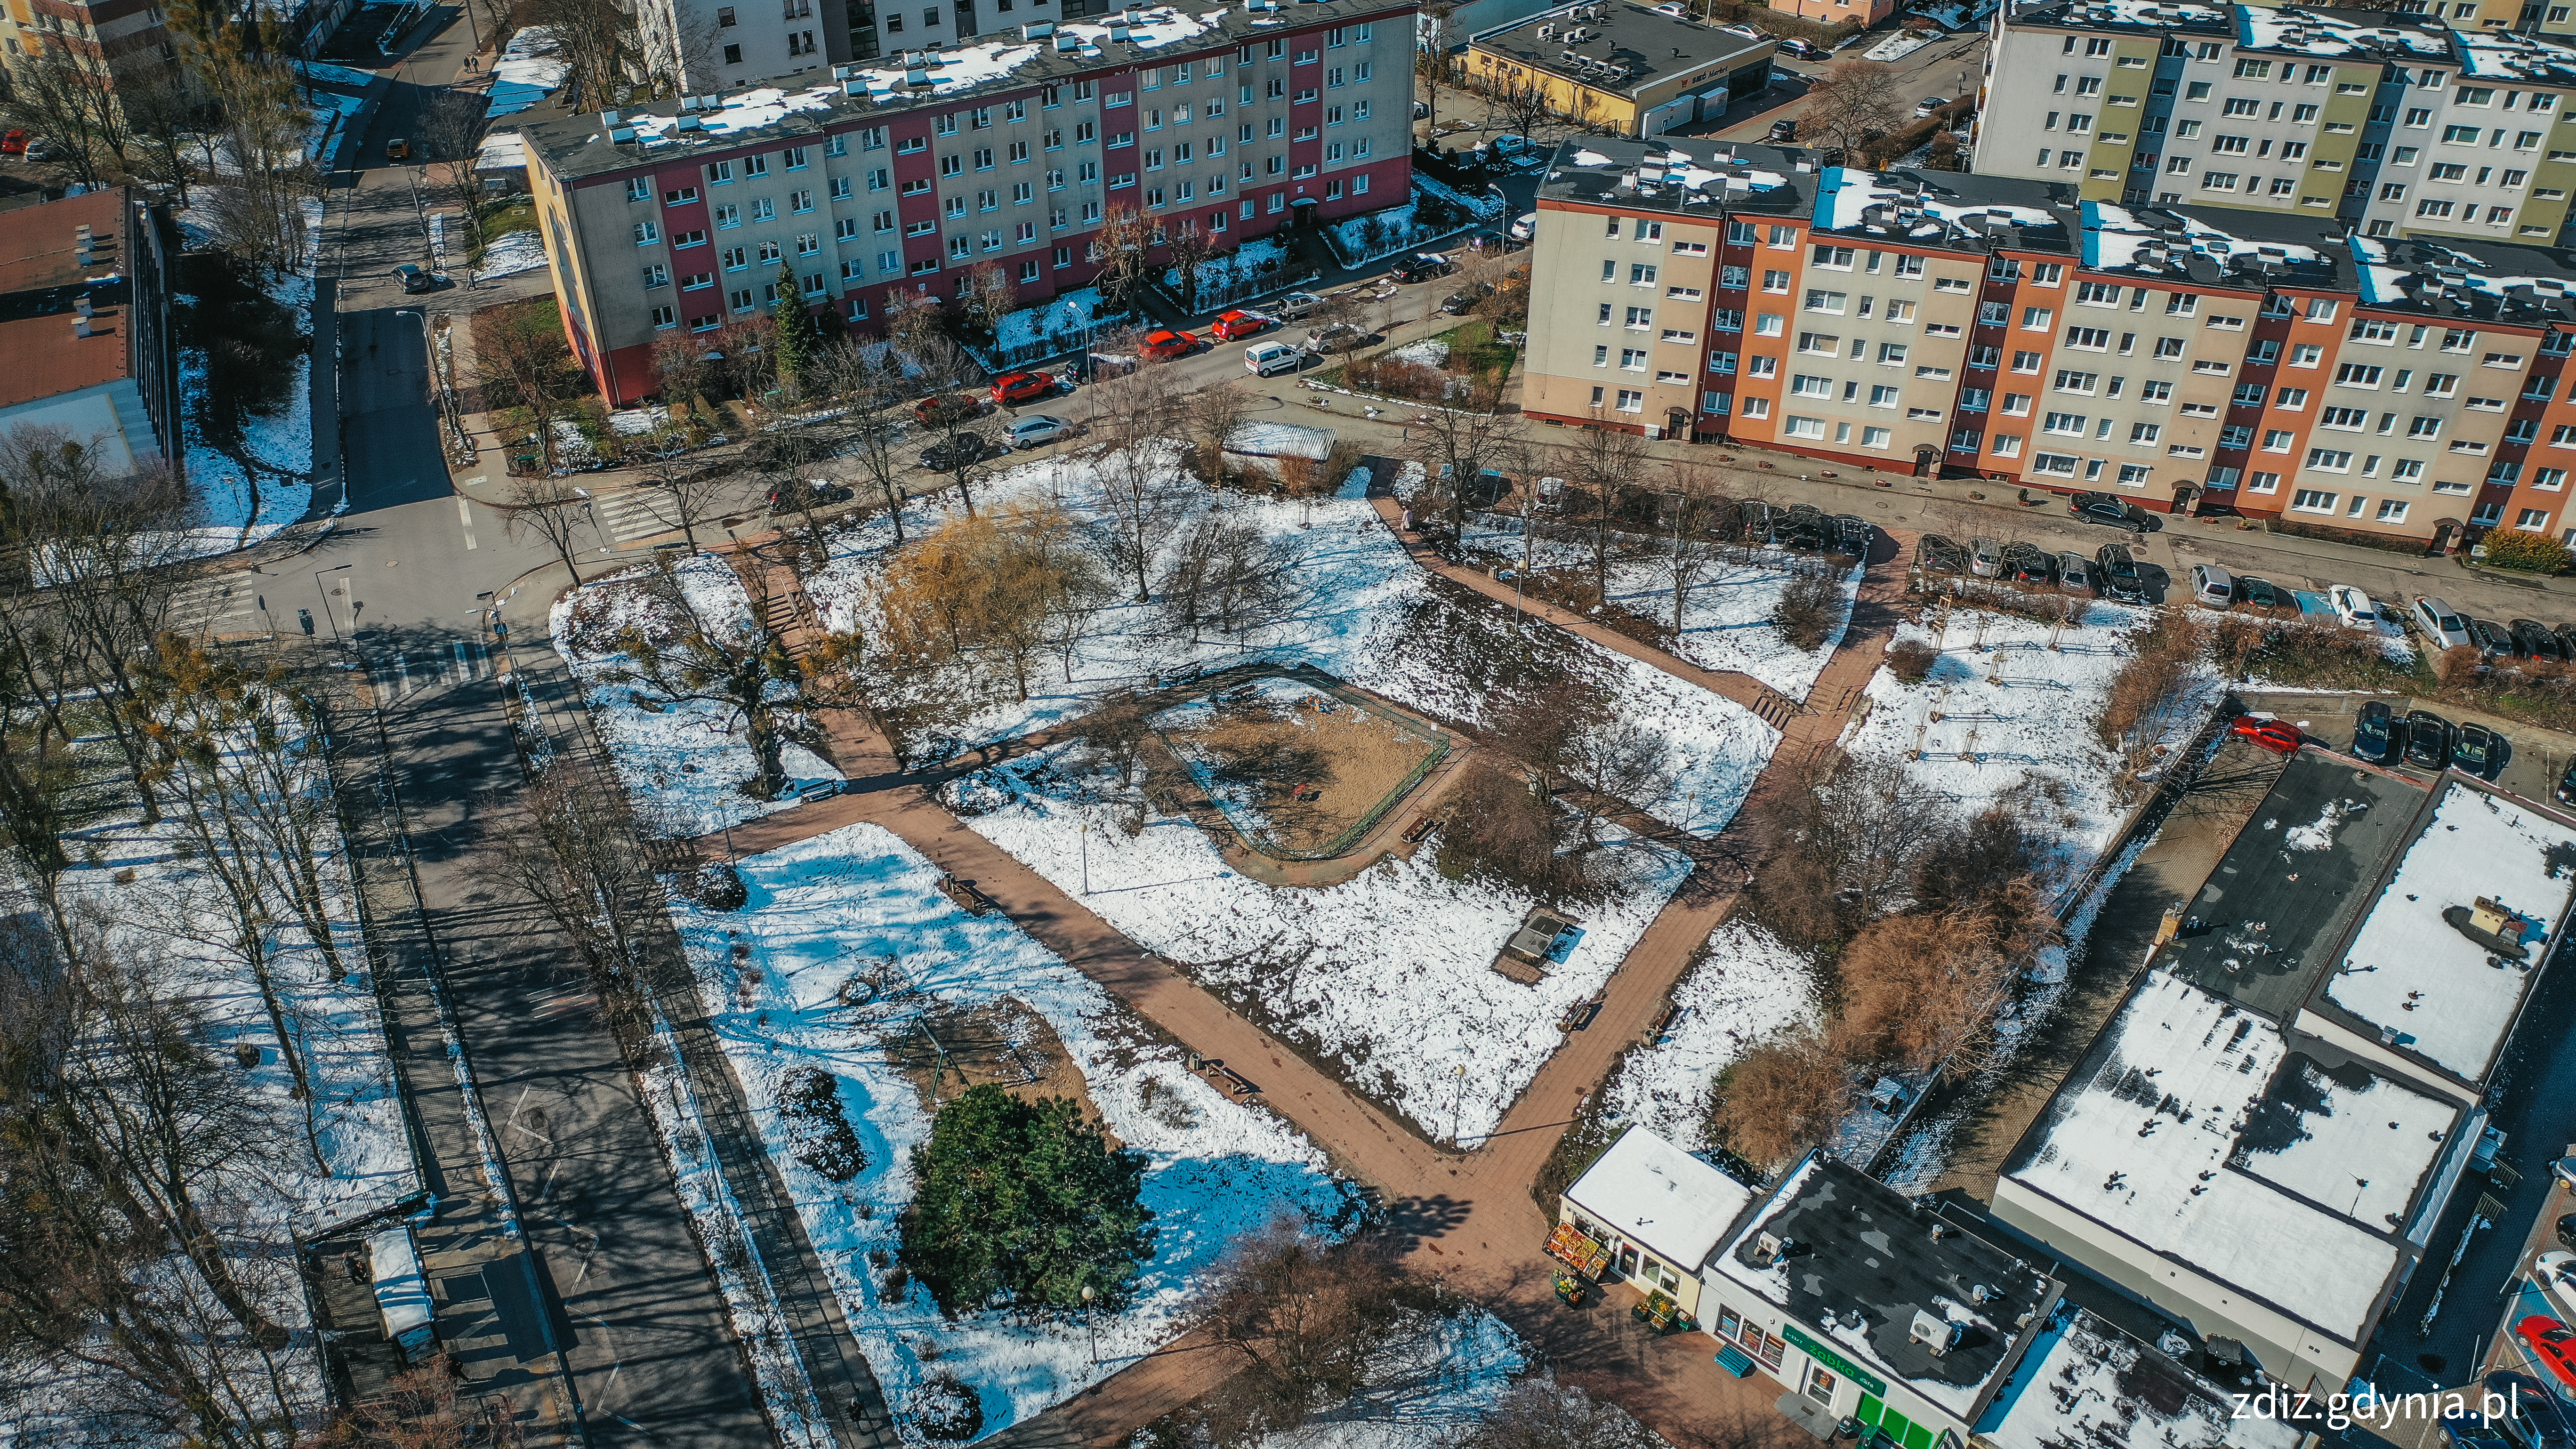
(1268, 359)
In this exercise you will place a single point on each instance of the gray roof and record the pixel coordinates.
(1682, 175)
(1648, 45)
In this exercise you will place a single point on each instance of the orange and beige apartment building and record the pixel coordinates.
(1941, 322)
(900, 177)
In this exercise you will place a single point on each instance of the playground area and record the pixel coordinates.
(1300, 770)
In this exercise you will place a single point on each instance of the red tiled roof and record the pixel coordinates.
(41, 283)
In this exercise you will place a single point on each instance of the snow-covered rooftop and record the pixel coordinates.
(2085, 1383)
(2504, 56)
(1862, 1263)
(529, 68)
(2193, 1129)
(502, 151)
(2116, 239)
(1669, 175)
(2133, 14)
(2329, 34)
(2411, 971)
(1846, 198)
(1649, 1191)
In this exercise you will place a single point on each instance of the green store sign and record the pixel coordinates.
(1833, 1360)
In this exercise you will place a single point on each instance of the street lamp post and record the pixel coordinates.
(330, 615)
(1087, 1330)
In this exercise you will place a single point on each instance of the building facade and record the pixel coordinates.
(112, 44)
(1944, 322)
(1240, 122)
(1618, 66)
(2398, 124)
(85, 343)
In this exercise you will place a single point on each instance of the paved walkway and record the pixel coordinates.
(1465, 1217)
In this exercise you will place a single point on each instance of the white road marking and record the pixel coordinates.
(465, 512)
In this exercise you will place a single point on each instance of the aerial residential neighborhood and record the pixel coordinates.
(1293, 725)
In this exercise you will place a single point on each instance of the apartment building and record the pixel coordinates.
(1945, 322)
(112, 44)
(1619, 66)
(668, 222)
(700, 46)
(2400, 124)
(85, 346)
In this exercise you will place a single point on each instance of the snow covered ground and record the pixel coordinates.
(512, 252)
(1402, 229)
(858, 902)
(526, 72)
(683, 763)
(1726, 618)
(1748, 986)
(2014, 713)
(240, 505)
(1373, 620)
(1388, 975)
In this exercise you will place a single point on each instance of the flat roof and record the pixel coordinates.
(1651, 1192)
(2411, 972)
(1864, 1262)
(1648, 47)
(43, 281)
(2083, 1382)
(2135, 16)
(1680, 174)
(2196, 1130)
(2267, 922)
(2323, 33)
(2501, 55)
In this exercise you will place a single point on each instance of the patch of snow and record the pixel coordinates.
(526, 72)
(1431, 1388)
(2084, 1382)
(242, 500)
(512, 252)
(1430, 352)
(1898, 46)
(1747, 986)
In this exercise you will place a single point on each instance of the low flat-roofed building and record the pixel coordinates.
(1659, 1211)
(1622, 66)
(2083, 1384)
(85, 343)
(2262, 1140)
(1864, 1305)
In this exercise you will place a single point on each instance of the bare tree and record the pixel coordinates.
(1456, 446)
(1306, 1325)
(551, 509)
(685, 495)
(450, 137)
(1853, 102)
(1123, 247)
(872, 431)
(1188, 248)
(1539, 1413)
(1230, 575)
(594, 38)
(578, 859)
(1144, 496)
(528, 366)
(1785, 1095)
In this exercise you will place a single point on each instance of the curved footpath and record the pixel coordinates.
(1464, 1217)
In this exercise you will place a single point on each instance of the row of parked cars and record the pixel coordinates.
(2445, 628)
(2111, 572)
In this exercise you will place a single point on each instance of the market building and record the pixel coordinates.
(908, 177)
(1621, 67)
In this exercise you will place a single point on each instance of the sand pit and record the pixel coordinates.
(1301, 772)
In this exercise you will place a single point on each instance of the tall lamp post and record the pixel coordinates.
(1087, 1330)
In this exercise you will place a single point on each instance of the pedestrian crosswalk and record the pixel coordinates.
(406, 672)
(232, 602)
(639, 514)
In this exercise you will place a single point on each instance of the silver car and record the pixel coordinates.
(1985, 558)
(1037, 430)
(2442, 625)
(2074, 573)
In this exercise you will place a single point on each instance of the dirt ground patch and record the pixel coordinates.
(1299, 771)
(943, 1051)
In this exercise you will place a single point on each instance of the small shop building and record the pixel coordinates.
(1650, 1212)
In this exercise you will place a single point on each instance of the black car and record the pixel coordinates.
(2120, 578)
(1459, 301)
(2567, 796)
(1784, 131)
(2476, 750)
(2374, 732)
(2105, 508)
(1805, 526)
(2428, 740)
(1852, 534)
(786, 498)
(1936, 554)
(957, 450)
(2263, 593)
(1421, 269)
(2024, 564)
(2538, 640)
(1758, 520)
(2493, 640)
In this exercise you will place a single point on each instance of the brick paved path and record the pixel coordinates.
(1465, 1217)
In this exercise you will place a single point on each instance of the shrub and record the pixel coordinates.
(2459, 666)
(1783, 1096)
(718, 887)
(2151, 691)
(818, 1126)
(2511, 548)
(1026, 1204)
(1807, 611)
(1911, 660)
(1498, 830)
(943, 1407)
(1917, 988)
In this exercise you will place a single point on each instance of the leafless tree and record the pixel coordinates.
(1852, 102)
(1456, 446)
(872, 432)
(1144, 496)
(450, 138)
(1188, 248)
(1305, 1323)
(1605, 463)
(575, 856)
(686, 495)
(1231, 576)
(1123, 246)
(551, 509)
(592, 37)
(1539, 1413)
(1785, 1095)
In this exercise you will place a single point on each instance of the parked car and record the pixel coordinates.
(1488, 241)
(1268, 359)
(397, 151)
(1091, 367)
(1039, 429)
(1422, 267)
(1802, 49)
(2277, 735)
(2428, 740)
(2074, 572)
(2108, 508)
(1164, 344)
(1805, 526)
(1337, 337)
(2212, 587)
(1746, 31)
(2025, 564)
(13, 143)
(1936, 554)
(796, 498)
(1525, 226)
(1458, 302)
(2493, 640)
(414, 278)
(939, 412)
(1761, 521)
(2119, 573)
(2442, 625)
(2551, 1343)
(42, 149)
(957, 451)
(1985, 558)
(1784, 131)
(2375, 731)
(1926, 106)
(2538, 640)
(1235, 326)
(1296, 304)
(2263, 593)
(2353, 607)
(1019, 387)
(1853, 535)
(2530, 1415)
(2476, 750)
(2566, 793)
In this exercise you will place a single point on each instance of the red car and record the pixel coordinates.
(2551, 1343)
(1240, 324)
(2278, 736)
(1016, 387)
(1167, 344)
(13, 143)
(939, 412)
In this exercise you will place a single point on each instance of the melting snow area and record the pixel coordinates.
(2083, 1382)
(858, 900)
(1369, 604)
(527, 72)
(683, 763)
(1726, 617)
(1430, 352)
(1746, 987)
(1431, 1389)
(1389, 976)
(242, 500)
(2012, 711)
(2320, 833)
(510, 253)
